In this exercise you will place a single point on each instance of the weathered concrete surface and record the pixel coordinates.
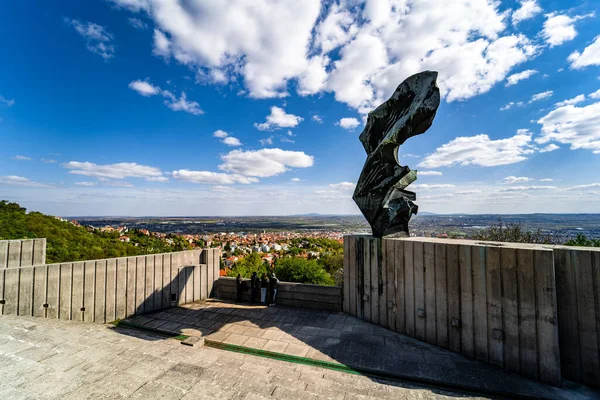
(339, 338)
(56, 359)
(22, 253)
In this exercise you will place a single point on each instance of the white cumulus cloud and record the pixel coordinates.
(208, 177)
(270, 47)
(430, 173)
(595, 95)
(589, 56)
(265, 162)
(560, 28)
(146, 89)
(21, 158)
(231, 141)
(348, 123)
(549, 148)
(515, 179)
(115, 171)
(279, 119)
(576, 126)
(482, 151)
(528, 10)
(574, 100)
(14, 180)
(515, 78)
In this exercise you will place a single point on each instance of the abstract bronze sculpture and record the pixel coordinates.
(380, 193)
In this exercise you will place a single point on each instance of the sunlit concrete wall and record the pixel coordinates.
(22, 253)
(493, 302)
(109, 289)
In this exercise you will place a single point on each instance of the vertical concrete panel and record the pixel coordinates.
(210, 280)
(77, 297)
(2, 290)
(203, 271)
(11, 291)
(366, 278)
(181, 279)
(390, 282)
(66, 294)
(568, 322)
(510, 309)
(39, 291)
(216, 275)
(175, 278)
(547, 331)
(131, 285)
(26, 291)
(111, 289)
(480, 325)
(409, 287)
(200, 282)
(166, 288)
(467, 340)
(14, 253)
(140, 285)
(39, 251)
(100, 300)
(121, 302)
(494, 306)
(375, 267)
(454, 309)
(346, 291)
(399, 287)
(419, 277)
(149, 289)
(3, 254)
(351, 271)
(527, 314)
(382, 267)
(53, 296)
(89, 290)
(441, 296)
(430, 292)
(189, 283)
(582, 264)
(596, 283)
(158, 281)
(26, 253)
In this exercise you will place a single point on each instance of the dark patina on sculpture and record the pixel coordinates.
(380, 192)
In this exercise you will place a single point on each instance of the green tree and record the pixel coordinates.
(246, 266)
(582, 240)
(501, 232)
(302, 271)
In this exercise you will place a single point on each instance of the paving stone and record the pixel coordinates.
(121, 382)
(235, 328)
(296, 350)
(275, 346)
(255, 343)
(37, 353)
(181, 375)
(218, 336)
(234, 338)
(156, 390)
(203, 391)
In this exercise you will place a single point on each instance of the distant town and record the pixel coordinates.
(274, 237)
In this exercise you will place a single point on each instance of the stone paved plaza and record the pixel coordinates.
(339, 338)
(50, 359)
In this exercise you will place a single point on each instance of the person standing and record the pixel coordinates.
(273, 281)
(264, 284)
(254, 286)
(238, 288)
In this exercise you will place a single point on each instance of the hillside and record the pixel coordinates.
(67, 242)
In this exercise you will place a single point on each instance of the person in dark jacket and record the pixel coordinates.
(273, 281)
(264, 284)
(238, 288)
(254, 286)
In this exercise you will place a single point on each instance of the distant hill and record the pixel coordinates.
(67, 242)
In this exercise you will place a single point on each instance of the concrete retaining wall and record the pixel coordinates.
(578, 294)
(492, 302)
(316, 297)
(109, 289)
(22, 253)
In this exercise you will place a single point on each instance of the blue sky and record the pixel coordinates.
(148, 107)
